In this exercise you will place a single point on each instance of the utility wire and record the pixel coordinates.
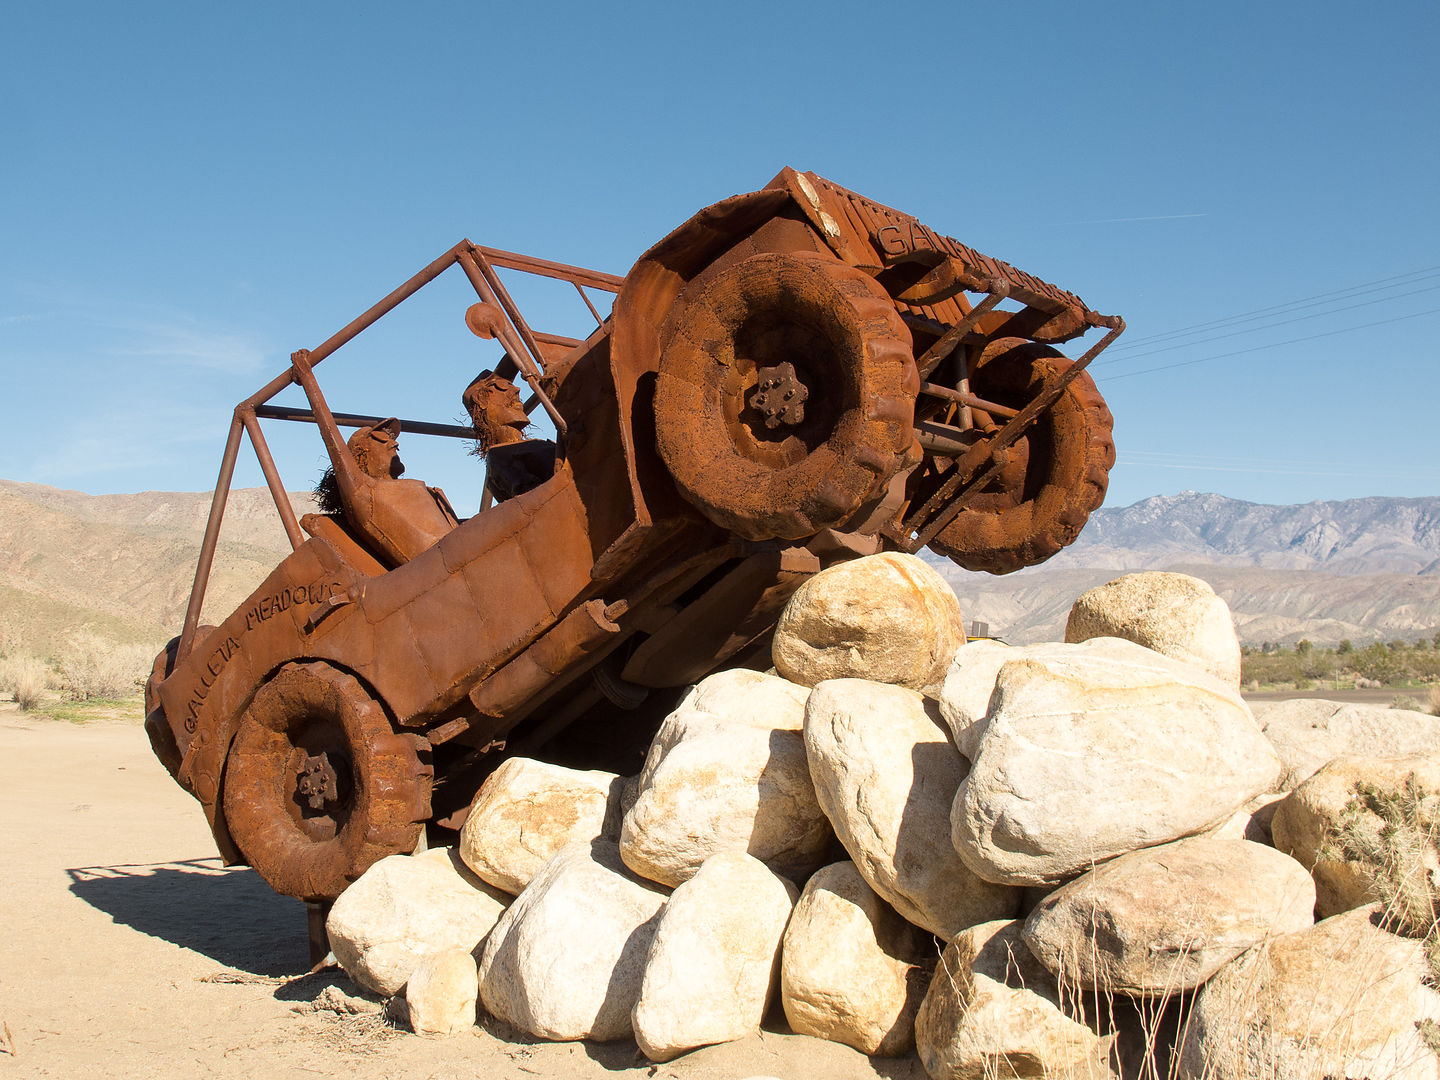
(1271, 345)
(1256, 329)
(1277, 309)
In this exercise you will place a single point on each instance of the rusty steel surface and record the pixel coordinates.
(793, 377)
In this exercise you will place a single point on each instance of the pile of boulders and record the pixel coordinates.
(1068, 859)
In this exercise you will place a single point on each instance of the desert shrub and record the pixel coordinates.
(1272, 667)
(25, 676)
(1405, 701)
(1432, 703)
(1396, 857)
(1317, 665)
(1378, 663)
(1425, 665)
(91, 667)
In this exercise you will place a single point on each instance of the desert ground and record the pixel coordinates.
(129, 951)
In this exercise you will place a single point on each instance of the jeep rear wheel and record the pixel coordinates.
(786, 394)
(1051, 479)
(318, 785)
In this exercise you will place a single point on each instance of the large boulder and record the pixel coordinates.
(727, 772)
(712, 964)
(1164, 919)
(890, 618)
(886, 774)
(405, 908)
(1309, 732)
(969, 684)
(851, 969)
(992, 1010)
(1335, 824)
(566, 960)
(528, 810)
(1174, 614)
(1096, 749)
(441, 994)
(1340, 999)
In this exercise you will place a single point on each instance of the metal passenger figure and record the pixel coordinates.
(515, 464)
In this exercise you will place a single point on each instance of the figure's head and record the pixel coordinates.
(375, 450)
(493, 403)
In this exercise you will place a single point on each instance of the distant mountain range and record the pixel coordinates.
(1356, 536)
(1362, 569)
(122, 565)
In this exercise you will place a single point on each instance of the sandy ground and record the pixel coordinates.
(126, 950)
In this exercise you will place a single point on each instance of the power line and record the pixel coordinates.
(1353, 290)
(1271, 345)
(1268, 326)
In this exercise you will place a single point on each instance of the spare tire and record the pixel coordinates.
(1054, 476)
(786, 394)
(318, 785)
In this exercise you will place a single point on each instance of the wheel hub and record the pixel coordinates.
(318, 783)
(779, 396)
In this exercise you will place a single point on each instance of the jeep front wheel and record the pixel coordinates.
(319, 786)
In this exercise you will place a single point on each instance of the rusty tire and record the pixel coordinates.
(850, 353)
(1056, 474)
(319, 786)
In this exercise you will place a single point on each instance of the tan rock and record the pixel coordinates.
(405, 908)
(1164, 919)
(993, 1010)
(1309, 819)
(1100, 748)
(967, 689)
(752, 698)
(885, 774)
(712, 963)
(1341, 999)
(889, 618)
(442, 993)
(1251, 822)
(566, 960)
(851, 969)
(1174, 614)
(1310, 732)
(727, 772)
(528, 810)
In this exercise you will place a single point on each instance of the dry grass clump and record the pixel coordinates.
(91, 667)
(24, 676)
(1432, 702)
(353, 1025)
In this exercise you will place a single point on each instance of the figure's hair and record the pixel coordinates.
(327, 493)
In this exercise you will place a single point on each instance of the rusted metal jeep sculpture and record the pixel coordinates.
(793, 377)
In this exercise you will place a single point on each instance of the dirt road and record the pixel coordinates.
(128, 951)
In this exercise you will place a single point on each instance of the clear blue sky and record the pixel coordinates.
(191, 191)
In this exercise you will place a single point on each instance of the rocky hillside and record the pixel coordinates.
(121, 565)
(1268, 605)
